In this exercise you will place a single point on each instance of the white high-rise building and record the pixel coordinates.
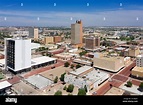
(17, 54)
(139, 61)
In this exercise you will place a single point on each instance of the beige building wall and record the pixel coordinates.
(48, 40)
(134, 52)
(36, 33)
(137, 73)
(76, 33)
(108, 64)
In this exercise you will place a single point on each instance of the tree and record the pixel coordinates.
(72, 66)
(104, 39)
(58, 92)
(85, 88)
(78, 66)
(62, 77)
(70, 88)
(65, 88)
(81, 92)
(141, 86)
(129, 84)
(56, 79)
(66, 64)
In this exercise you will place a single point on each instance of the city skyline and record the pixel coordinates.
(64, 13)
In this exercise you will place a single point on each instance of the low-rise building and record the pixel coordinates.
(86, 76)
(132, 51)
(137, 72)
(109, 63)
(64, 56)
(57, 39)
(48, 39)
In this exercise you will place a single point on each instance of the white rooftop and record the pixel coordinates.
(2, 61)
(4, 84)
(95, 75)
(35, 45)
(140, 56)
(80, 70)
(39, 81)
(40, 60)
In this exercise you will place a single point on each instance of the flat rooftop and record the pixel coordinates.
(138, 69)
(115, 91)
(110, 58)
(40, 60)
(80, 70)
(64, 55)
(24, 89)
(35, 45)
(39, 81)
(82, 61)
(4, 84)
(2, 61)
(95, 75)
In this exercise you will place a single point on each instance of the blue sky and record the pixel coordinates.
(65, 12)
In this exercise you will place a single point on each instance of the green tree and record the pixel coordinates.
(104, 39)
(129, 84)
(72, 66)
(56, 79)
(78, 66)
(141, 85)
(81, 92)
(66, 64)
(65, 88)
(62, 77)
(85, 88)
(70, 88)
(58, 92)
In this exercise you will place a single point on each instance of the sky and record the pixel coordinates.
(66, 12)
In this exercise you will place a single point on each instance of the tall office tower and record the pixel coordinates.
(17, 54)
(92, 42)
(97, 41)
(76, 33)
(33, 32)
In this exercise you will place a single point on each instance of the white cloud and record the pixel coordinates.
(113, 18)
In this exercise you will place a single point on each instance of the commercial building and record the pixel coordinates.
(83, 62)
(20, 32)
(48, 39)
(92, 42)
(4, 85)
(86, 76)
(139, 61)
(17, 54)
(39, 81)
(42, 61)
(33, 33)
(64, 56)
(109, 63)
(76, 33)
(133, 51)
(137, 71)
(57, 39)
